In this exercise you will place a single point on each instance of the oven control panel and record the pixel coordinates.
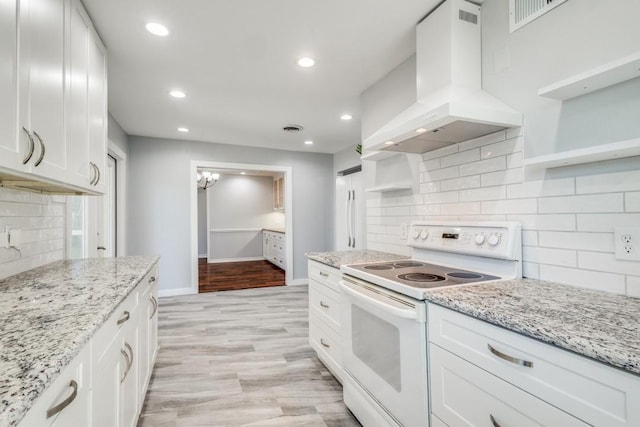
(488, 239)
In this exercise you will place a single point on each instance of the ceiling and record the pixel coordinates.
(237, 63)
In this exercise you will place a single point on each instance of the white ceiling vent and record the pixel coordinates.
(521, 12)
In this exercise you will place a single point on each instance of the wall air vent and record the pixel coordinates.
(463, 15)
(521, 12)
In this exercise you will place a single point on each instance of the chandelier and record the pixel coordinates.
(207, 179)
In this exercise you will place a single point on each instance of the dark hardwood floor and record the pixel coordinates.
(227, 276)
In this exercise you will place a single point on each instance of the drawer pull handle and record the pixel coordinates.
(324, 343)
(155, 307)
(322, 304)
(493, 421)
(66, 402)
(124, 318)
(323, 274)
(511, 359)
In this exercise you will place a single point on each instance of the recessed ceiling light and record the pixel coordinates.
(421, 130)
(177, 94)
(346, 117)
(243, 173)
(157, 29)
(308, 142)
(389, 143)
(183, 129)
(306, 62)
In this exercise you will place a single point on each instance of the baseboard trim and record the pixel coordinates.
(202, 255)
(175, 292)
(298, 282)
(255, 258)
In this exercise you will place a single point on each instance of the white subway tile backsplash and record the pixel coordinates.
(556, 187)
(460, 183)
(632, 202)
(440, 174)
(610, 282)
(607, 262)
(508, 176)
(519, 206)
(483, 166)
(481, 194)
(558, 222)
(41, 219)
(460, 158)
(449, 149)
(562, 257)
(509, 146)
(483, 140)
(515, 132)
(567, 221)
(605, 222)
(598, 242)
(472, 208)
(633, 286)
(611, 182)
(600, 203)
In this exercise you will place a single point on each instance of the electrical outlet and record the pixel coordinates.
(627, 243)
(15, 238)
(404, 231)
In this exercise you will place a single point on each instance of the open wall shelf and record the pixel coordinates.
(614, 150)
(388, 187)
(609, 74)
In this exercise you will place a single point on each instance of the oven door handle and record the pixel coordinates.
(405, 314)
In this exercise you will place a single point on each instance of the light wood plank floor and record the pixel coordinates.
(240, 358)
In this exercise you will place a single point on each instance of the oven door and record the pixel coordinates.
(384, 355)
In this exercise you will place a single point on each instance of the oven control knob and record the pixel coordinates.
(479, 239)
(416, 234)
(494, 239)
(424, 234)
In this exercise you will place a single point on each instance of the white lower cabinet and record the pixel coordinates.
(105, 385)
(324, 316)
(482, 374)
(273, 248)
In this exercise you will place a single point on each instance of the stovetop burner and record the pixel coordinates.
(403, 264)
(464, 275)
(378, 267)
(421, 277)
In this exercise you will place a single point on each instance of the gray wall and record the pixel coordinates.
(202, 222)
(159, 201)
(117, 135)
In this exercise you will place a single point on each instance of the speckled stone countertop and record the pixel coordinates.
(49, 314)
(337, 258)
(599, 325)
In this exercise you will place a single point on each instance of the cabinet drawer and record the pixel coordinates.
(464, 395)
(125, 313)
(325, 275)
(325, 303)
(595, 393)
(326, 342)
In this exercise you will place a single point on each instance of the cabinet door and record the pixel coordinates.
(42, 84)
(148, 335)
(129, 396)
(107, 374)
(12, 148)
(78, 79)
(97, 112)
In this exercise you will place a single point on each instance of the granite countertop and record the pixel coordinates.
(49, 314)
(337, 258)
(599, 325)
(275, 230)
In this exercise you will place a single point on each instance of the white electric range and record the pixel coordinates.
(384, 343)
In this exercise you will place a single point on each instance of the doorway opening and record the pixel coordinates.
(241, 226)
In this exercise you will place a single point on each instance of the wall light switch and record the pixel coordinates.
(4, 239)
(15, 238)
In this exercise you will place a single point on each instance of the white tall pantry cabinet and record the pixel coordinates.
(349, 212)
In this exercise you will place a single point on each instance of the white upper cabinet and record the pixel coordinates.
(42, 85)
(11, 152)
(53, 97)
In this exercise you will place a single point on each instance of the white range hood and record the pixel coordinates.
(451, 106)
